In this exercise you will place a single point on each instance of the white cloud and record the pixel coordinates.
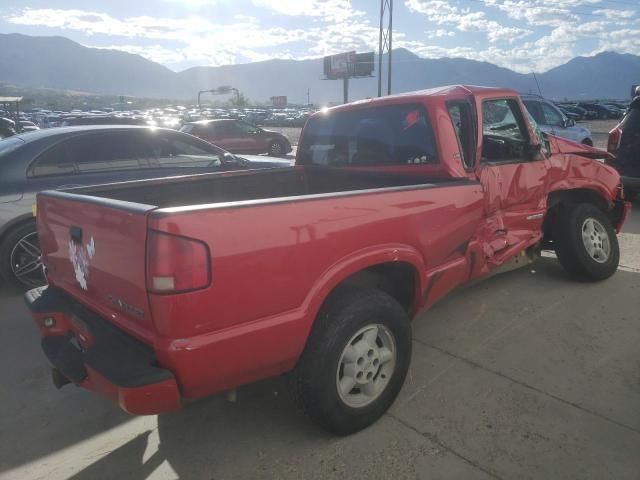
(443, 12)
(331, 10)
(193, 3)
(203, 41)
(617, 15)
(441, 32)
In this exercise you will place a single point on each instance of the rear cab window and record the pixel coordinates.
(384, 135)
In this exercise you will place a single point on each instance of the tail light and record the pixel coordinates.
(615, 136)
(176, 264)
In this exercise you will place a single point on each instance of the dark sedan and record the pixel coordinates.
(74, 156)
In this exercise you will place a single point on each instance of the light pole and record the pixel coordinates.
(385, 43)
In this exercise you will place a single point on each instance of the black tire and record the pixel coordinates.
(314, 381)
(10, 242)
(570, 247)
(276, 148)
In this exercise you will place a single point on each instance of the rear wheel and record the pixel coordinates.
(586, 243)
(355, 361)
(276, 148)
(20, 257)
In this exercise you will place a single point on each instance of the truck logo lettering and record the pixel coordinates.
(137, 311)
(80, 256)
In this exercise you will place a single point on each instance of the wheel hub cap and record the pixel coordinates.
(366, 366)
(596, 240)
(26, 261)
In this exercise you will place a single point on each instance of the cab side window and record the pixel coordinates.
(504, 135)
(461, 115)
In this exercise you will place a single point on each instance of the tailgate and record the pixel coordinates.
(94, 249)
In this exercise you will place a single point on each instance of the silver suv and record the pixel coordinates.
(551, 120)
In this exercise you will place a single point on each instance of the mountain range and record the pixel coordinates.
(59, 63)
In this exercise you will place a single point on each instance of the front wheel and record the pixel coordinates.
(586, 243)
(355, 361)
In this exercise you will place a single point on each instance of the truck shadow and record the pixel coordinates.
(246, 437)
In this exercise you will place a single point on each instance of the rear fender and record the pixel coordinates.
(356, 262)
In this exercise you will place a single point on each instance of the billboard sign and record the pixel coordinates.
(279, 101)
(340, 65)
(364, 64)
(349, 64)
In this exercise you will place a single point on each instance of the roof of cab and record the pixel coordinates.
(447, 90)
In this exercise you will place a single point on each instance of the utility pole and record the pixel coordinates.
(308, 96)
(345, 89)
(385, 42)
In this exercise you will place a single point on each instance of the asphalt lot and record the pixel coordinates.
(525, 375)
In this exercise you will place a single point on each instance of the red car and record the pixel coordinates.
(186, 287)
(237, 136)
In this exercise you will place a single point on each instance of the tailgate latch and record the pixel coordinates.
(76, 234)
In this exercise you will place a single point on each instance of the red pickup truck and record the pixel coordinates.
(184, 287)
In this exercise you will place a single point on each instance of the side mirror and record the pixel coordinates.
(568, 122)
(230, 159)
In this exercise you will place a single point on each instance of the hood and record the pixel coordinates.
(574, 148)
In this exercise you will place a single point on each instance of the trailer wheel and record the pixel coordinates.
(355, 361)
(586, 243)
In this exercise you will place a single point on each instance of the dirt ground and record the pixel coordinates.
(600, 131)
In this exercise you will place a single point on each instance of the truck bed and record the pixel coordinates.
(251, 185)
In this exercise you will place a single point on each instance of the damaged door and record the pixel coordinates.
(512, 170)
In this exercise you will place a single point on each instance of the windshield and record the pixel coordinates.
(388, 135)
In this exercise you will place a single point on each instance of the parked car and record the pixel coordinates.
(624, 143)
(7, 127)
(238, 136)
(569, 114)
(27, 126)
(615, 109)
(72, 156)
(186, 287)
(586, 114)
(602, 111)
(551, 120)
(103, 120)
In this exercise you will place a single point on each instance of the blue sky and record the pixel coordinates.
(524, 35)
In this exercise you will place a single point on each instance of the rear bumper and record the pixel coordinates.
(94, 354)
